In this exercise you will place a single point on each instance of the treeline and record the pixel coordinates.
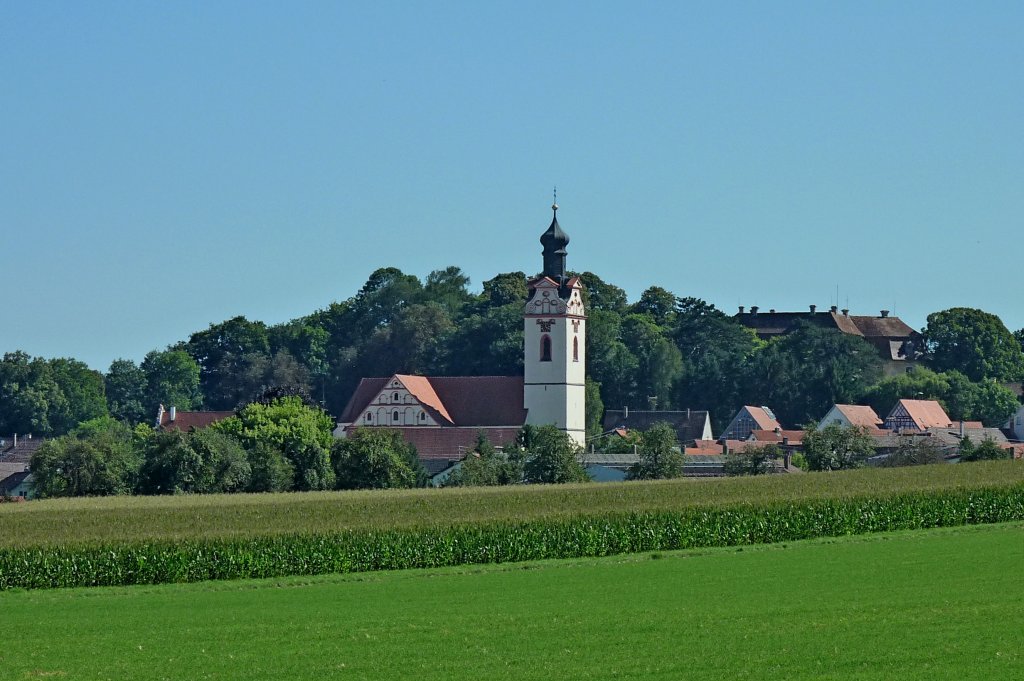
(662, 350)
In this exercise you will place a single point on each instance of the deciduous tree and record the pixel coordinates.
(974, 342)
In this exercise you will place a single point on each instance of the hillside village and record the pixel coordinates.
(677, 366)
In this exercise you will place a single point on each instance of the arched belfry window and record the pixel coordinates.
(545, 348)
(575, 349)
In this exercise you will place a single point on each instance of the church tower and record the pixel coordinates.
(555, 330)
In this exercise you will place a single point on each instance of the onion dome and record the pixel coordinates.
(554, 241)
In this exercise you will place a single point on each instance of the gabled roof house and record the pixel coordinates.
(747, 420)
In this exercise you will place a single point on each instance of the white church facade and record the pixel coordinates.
(442, 415)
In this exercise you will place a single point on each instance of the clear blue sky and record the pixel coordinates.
(168, 165)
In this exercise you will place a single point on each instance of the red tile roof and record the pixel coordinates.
(794, 437)
(859, 415)
(189, 420)
(762, 418)
(926, 413)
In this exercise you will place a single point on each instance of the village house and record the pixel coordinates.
(846, 415)
(747, 420)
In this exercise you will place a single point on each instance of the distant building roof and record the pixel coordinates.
(793, 437)
(893, 337)
(191, 420)
(12, 481)
(860, 415)
(21, 452)
(924, 414)
(689, 424)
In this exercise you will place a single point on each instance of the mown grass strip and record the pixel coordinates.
(120, 520)
(496, 542)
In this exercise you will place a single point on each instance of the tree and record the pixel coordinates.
(1019, 335)
(659, 455)
(986, 450)
(974, 342)
(963, 399)
(448, 288)
(550, 456)
(29, 395)
(505, 289)
(83, 392)
(836, 447)
(659, 363)
(97, 458)
(658, 304)
(172, 379)
(753, 460)
(373, 458)
(270, 470)
(599, 295)
(125, 385)
(301, 432)
(486, 466)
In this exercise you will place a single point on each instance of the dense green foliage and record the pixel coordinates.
(375, 458)
(973, 342)
(863, 610)
(550, 456)
(485, 466)
(753, 460)
(986, 450)
(659, 453)
(86, 564)
(836, 447)
(277, 443)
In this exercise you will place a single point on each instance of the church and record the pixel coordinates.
(442, 415)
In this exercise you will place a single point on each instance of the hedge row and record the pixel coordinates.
(366, 550)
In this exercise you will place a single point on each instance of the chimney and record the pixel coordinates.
(778, 431)
(725, 448)
(174, 412)
(814, 308)
(885, 313)
(753, 309)
(961, 430)
(846, 312)
(771, 311)
(741, 309)
(159, 415)
(834, 309)
(15, 439)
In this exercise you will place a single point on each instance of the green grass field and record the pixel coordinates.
(935, 604)
(127, 519)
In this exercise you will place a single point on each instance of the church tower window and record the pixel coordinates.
(545, 348)
(575, 349)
